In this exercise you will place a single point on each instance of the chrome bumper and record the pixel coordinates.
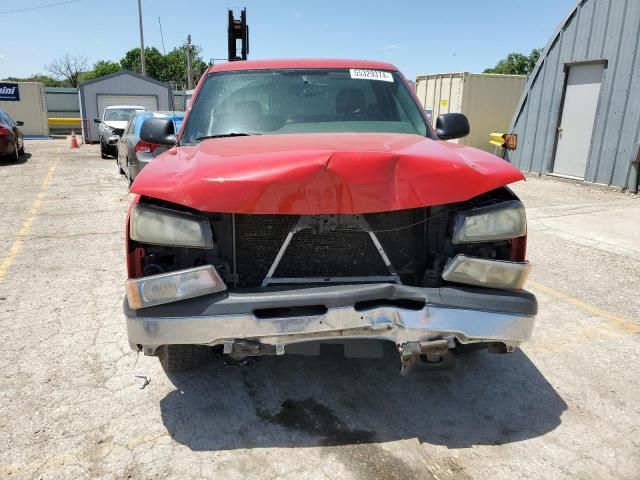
(201, 321)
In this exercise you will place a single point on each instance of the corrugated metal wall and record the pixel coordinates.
(595, 30)
(62, 102)
(179, 100)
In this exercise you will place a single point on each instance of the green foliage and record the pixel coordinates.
(100, 69)
(39, 77)
(176, 67)
(171, 67)
(517, 63)
(154, 62)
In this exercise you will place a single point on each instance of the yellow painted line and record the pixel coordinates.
(621, 324)
(26, 226)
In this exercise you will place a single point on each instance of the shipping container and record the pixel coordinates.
(30, 107)
(488, 101)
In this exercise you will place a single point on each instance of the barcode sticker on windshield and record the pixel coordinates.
(371, 75)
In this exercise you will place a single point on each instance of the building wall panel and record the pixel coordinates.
(31, 109)
(595, 30)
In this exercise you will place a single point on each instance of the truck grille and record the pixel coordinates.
(333, 254)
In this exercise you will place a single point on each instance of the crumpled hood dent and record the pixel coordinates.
(322, 173)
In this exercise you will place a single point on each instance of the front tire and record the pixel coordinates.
(176, 358)
(103, 152)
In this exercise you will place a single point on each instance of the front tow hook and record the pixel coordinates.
(428, 356)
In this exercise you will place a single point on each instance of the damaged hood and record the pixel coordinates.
(324, 173)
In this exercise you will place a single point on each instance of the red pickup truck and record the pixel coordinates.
(310, 202)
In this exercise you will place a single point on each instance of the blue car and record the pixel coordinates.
(134, 154)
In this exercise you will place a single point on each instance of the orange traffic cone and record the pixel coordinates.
(74, 140)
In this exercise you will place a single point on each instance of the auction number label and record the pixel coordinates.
(371, 75)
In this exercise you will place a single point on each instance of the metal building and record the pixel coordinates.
(579, 115)
(63, 107)
(120, 88)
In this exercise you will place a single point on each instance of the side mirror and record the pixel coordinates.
(19, 123)
(452, 125)
(97, 120)
(158, 131)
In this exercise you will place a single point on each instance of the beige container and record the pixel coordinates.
(30, 109)
(488, 100)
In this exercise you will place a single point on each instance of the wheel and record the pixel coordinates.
(16, 153)
(21, 151)
(103, 151)
(175, 358)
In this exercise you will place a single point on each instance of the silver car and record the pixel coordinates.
(114, 120)
(134, 154)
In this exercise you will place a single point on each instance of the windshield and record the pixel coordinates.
(119, 114)
(303, 101)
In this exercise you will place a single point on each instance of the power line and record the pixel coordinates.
(164, 52)
(28, 9)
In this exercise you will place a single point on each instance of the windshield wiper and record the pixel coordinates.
(223, 135)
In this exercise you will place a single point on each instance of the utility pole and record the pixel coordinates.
(189, 65)
(144, 71)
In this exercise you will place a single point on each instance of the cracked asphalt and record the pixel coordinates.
(567, 405)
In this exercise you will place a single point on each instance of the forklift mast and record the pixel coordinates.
(238, 30)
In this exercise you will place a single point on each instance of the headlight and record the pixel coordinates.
(486, 273)
(497, 222)
(160, 226)
(173, 286)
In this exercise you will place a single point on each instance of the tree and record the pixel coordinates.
(68, 67)
(176, 65)
(517, 63)
(171, 67)
(154, 62)
(100, 69)
(38, 77)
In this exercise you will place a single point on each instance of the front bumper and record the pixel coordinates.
(397, 313)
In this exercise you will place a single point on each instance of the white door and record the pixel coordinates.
(149, 102)
(578, 116)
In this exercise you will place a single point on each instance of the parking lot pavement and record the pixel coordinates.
(565, 406)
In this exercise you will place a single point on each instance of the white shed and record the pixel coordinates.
(120, 88)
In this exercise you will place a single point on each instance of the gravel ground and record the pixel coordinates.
(564, 406)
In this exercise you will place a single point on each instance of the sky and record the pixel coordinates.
(418, 36)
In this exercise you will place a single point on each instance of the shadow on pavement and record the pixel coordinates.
(295, 401)
(8, 161)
